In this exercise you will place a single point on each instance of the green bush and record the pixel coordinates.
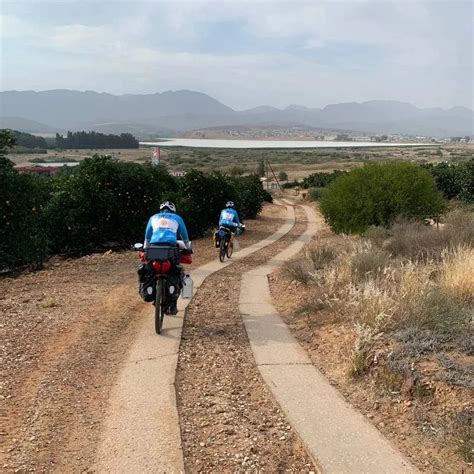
(379, 193)
(321, 180)
(315, 194)
(454, 180)
(103, 203)
(23, 235)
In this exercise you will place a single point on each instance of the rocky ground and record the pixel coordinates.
(217, 376)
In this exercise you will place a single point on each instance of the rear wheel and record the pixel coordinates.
(159, 314)
(230, 248)
(223, 248)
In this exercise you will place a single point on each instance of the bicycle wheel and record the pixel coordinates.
(159, 313)
(230, 248)
(222, 249)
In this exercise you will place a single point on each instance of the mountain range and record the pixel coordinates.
(172, 112)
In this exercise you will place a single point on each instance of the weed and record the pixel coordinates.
(369, 264)
(299, 270)
(321, 255)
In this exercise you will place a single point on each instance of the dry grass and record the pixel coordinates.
(457, 273)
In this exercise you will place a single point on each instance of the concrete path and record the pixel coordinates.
(141, 430)
(338, 437)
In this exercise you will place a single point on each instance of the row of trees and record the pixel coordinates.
(95, 140)
(28, 140)
(106, 203)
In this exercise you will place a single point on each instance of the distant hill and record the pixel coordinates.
(172, 112)
(25, 125)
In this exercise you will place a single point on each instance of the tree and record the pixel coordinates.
(282, 176)
(379, 193)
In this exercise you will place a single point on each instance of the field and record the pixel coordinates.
(297, 163)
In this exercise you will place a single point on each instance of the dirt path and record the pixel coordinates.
(229, 420)
(65, 332)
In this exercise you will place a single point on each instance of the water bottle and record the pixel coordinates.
(187, 292)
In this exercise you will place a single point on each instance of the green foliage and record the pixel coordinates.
(454, 180)
(29, 141)
(282, 176)
(315, 194)
(104, 202)
(321, 180)
(96, 140)
(22, 197)
(7, 140)
(261, 169)
(377, 194)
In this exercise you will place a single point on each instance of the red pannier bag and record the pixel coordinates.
(186, 258)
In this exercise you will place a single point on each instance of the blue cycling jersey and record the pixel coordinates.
(165, 228)
(229, 217)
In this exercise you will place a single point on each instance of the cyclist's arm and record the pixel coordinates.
(182, 231)
(237, 220)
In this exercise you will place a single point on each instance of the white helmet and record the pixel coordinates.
(168, 205)
(229, 204)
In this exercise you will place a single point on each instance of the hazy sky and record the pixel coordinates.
(245, 53)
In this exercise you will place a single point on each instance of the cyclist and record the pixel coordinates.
(229, 217)
(165, 228)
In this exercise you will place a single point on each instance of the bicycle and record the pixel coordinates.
(162, 259)
(224, 240)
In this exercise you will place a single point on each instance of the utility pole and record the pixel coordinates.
(268, 165)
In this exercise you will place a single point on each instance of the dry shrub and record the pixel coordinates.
(460, 223)
(369, 264)
(321, 255)
(406, 296)
(299, 270)
(419, 242)
(457, 273)
(377, 234)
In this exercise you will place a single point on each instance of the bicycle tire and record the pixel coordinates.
(222, 249)
(230, 249)
(159, 313)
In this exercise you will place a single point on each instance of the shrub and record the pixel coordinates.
(369, 264)
(417, 241)
(315, 194)
(299, 270)
(321, 180)
(377, 194)
(321, 255)
(23, 237)
(454, 180)
(104, 202)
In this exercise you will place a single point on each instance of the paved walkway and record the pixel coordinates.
(141, 431)
(338, 437)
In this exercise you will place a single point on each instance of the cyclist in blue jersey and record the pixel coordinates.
(229, 217)
(166, 228)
